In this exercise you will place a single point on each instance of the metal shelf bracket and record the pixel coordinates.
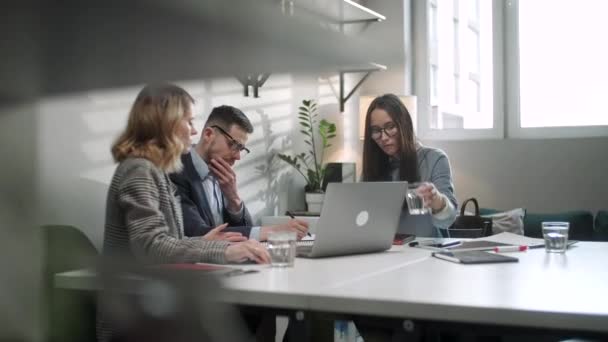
(367, 70)
(255, 81)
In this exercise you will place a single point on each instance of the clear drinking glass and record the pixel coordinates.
(415, 202)
(556, 236)
(282, 248)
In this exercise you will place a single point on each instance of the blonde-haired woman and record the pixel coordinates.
(143, 217)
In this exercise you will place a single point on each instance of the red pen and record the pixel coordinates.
(510, 249)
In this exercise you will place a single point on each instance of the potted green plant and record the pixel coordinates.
(310, 165)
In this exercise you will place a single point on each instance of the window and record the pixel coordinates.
(455, 81)
(538, 65)
(561, 66)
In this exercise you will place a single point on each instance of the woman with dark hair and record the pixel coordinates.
(391, 153)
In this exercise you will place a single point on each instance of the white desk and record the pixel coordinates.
(284, 287)
(293, 287)
(542, 290)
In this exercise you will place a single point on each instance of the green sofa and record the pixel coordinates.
(600, 227)
(582, 224)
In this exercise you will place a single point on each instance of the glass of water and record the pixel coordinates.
(282, 248)
(556, 236)
(415, 202)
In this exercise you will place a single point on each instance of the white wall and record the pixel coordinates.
(548, 175)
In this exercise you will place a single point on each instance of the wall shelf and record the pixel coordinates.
(340, 12)
(343, 13)
(360, 14)
(337, 12)
(212, 38)
(367, 70)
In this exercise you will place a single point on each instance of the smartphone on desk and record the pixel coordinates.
(401, 239)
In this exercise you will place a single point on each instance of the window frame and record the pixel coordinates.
(421, 80)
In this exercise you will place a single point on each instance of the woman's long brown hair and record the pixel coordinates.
(376, 164)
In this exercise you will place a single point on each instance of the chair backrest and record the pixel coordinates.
(71, 314)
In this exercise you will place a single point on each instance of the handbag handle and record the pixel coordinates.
(464, 205)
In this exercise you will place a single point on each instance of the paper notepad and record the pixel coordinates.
(474, 257)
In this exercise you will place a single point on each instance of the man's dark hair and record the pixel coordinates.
(226, 116)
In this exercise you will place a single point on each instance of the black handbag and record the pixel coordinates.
(470, 226)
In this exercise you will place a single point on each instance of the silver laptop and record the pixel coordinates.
(357, 218)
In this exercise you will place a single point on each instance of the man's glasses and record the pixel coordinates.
(390, 129)
(234, 145)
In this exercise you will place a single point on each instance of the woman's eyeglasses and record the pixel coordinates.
(390, 129)
(234, 145)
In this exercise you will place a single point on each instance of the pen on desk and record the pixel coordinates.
(434, 244)
(417, 244)
(430, 248)
(293, 217)
(238, 271)
(510, 249)
(420, 243)
(450, 244)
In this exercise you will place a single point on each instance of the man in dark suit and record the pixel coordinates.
(207, 183)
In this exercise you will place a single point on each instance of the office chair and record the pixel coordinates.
(70, 314)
